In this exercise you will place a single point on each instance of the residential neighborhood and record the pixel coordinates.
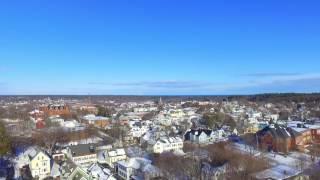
(125, 141)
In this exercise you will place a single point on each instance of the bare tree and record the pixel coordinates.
(48, 139)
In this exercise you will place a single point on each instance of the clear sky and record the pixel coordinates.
(159, 47)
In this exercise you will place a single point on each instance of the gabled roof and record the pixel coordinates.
(276, 130)
(32, 156)
(199, 131)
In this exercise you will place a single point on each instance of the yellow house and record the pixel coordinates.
(40, 165)
(252, 128)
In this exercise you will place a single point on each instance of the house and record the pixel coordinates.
(40, 124)
(115, 155)
(204, 136)
(36, 115)
(137, 128)
(97, 172)
(79, 174)
(98, 121)
(39, 164)
(83, 154)
(56, 119)
(136, 168)
(73, 125)
(145, 109)
(200, 136)
(251, 128)
(166, 144)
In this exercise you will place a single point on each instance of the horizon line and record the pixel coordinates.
(157, 95)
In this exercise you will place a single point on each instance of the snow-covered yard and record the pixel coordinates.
(293, 159)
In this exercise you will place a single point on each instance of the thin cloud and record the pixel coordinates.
(294, 83)
(165, 84)
(311, 84)
(270, 74)
(158, 84)
(98, 83)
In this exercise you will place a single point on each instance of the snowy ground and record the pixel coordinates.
(293, 159)
(244, 149)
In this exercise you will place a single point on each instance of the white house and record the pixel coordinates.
(97, 172)
(167, 144)
(115, 155)
(138, 130)
(136, 168)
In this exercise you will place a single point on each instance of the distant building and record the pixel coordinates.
(56, 109)
(304, 134)
(98, 121)
(36, 115)
(89, 109)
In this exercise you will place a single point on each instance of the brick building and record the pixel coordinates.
(56, 109)
(295, 135)
(276, 138)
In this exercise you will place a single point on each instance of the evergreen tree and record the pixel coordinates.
(5, 143)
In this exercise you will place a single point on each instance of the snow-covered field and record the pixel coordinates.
(293, 159)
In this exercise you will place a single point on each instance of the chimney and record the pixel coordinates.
(91, 148)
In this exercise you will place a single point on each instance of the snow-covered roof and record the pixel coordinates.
(169, 140)
(98, 171)
(135, 163)
(116, 152)
(300, 126)
(92, 117)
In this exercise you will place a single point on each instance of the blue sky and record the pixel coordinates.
(160, 47)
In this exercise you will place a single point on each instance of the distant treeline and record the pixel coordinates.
(272, 97)
(279, 97)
